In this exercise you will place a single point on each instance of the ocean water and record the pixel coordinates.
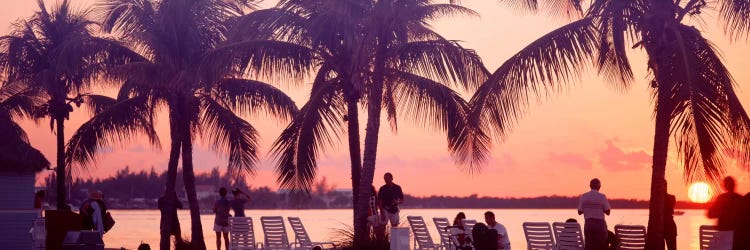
(136, 226)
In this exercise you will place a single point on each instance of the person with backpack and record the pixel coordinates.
(92, 210)
(221, 220)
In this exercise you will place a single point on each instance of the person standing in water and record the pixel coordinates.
(239, 201)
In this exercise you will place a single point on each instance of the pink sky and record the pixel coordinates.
(592, 130)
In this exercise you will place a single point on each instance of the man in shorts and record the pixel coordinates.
(389, 197)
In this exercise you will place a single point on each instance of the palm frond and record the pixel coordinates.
(119, 124)
(708, 120)
(97, 104)
(317, 126)
(544, 66)
(248, 96)
(736, 17)
(265, 58)
(230, 134)
(425, 101)
(442, 60)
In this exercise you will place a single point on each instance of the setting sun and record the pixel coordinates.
(699, 192)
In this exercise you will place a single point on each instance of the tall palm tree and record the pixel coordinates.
(418, 68)
(55, 55)
(191, 70)
(693, 91)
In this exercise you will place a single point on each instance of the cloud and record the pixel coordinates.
(137, 149)
(616, 159)
(570, 159)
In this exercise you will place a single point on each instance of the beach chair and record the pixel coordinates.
(242, 235)
(302, 239)
(468, 225)
(538, 236)
(631, 237)
(274, 233)
(568, 235)
(442, 225)
(422, 238)
(707, 236)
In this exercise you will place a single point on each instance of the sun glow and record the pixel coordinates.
(699, 192)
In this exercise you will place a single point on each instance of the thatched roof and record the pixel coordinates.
(20, 157)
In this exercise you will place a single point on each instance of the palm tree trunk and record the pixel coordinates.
(61, 173)
(355, 153)
(174, 155)
(655, 238)
(189, 178)
(375, 99)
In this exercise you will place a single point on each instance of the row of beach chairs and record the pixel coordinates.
(542, 235)
(242, 235)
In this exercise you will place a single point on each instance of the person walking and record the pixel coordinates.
(169, 224)
(726, 208)
(221, 220)
(239, 201)
(594, 205)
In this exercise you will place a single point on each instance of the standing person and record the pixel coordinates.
(670, 227)
(169, 224)
(725, 208)
(39, 199)
(503, 241)
(238, 203)
(92, 210)
(594, 205)
(221, 220)
(373, 219)
(389, 197)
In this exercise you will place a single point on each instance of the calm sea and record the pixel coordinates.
(136, 226)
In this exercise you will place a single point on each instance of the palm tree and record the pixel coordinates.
(56, 57)
(693, 91)
(418, 66)
(189, 68)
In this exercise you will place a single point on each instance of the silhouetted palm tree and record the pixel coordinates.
(417, 68)
(190, 69)
(56, 57)
(693, 93)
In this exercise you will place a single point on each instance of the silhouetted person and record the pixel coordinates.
(670, 227)
(373, 218)
(484, 238)
(594, 205)
(39, 199)
(726, 208)
(169, 224)
(503, 241)
(92, 210)
(239, 201)
(390, 196)
(221, 220)
(458, 221)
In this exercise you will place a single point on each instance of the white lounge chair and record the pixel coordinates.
(538, 236)
(242, 234)
(707, 236)
(631, 237)
(274, 233)
(302, 239)
(568, 235)
(422, 238)
(468, 225)
(445, 235)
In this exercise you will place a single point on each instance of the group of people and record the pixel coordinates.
(221, 209)
(733, 221)
(498, 237)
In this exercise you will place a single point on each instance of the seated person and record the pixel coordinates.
(502, 234)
